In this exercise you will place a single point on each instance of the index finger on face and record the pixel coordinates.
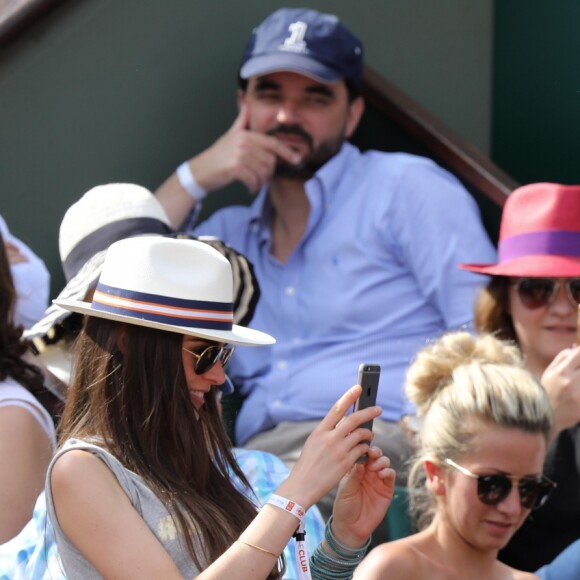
(286, 153)
(279, 149)
(242, 120)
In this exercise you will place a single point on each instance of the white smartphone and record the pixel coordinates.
(368, 379)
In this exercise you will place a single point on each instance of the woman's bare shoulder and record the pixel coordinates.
(79, 475)
(399, 559)
(521, 575)
(76, 464)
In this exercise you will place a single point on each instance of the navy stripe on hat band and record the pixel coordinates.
(102, 238)
(164, 309)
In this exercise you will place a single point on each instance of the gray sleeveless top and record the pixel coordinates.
(143, 500)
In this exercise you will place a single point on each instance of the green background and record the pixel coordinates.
(124, 90)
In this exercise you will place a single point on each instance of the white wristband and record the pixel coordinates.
(300, 549)
(188, 182)
(290, 506)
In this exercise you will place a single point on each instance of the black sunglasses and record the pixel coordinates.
(493, 489)
(538, 292)
(209, 356)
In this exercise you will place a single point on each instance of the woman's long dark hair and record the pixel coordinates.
(11, 348)
(137, 401)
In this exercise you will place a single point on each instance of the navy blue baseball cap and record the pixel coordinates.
(306, 42)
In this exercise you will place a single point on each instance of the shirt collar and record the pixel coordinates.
(328, 179)
(332, 174)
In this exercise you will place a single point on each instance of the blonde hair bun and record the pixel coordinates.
(435, 365)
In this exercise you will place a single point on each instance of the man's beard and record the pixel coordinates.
(312, 161)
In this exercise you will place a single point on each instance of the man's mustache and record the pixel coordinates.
(290, 130)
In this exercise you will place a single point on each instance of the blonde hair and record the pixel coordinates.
(458, 382)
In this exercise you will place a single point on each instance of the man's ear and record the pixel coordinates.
(355, 111)
(435, 477)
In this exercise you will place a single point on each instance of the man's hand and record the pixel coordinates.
(240, 154)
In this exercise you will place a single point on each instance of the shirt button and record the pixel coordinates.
(282, 364)
(290, 291)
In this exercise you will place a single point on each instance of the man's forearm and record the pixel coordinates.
(176, 202)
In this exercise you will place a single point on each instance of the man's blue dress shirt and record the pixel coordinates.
(373, 278)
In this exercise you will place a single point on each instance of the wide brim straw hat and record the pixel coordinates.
(176, 285)
(102, 216)
(539, 233)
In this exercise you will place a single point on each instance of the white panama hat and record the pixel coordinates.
(103, 215)
(178, 285)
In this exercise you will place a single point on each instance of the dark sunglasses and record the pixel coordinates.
(209, 356)
(493, 489)
(538, 292)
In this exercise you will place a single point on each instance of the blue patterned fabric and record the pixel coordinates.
(32, 554)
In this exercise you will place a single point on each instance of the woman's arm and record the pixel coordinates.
(328, 454)
(362, 500)
(25, 452)
(97, 516)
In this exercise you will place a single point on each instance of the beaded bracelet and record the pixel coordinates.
(338, 563)
(341, 549)
(324, 567)
(327, 567)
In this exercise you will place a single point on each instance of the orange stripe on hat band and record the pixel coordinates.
(189, 313)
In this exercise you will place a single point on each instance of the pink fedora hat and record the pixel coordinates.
(539, 233)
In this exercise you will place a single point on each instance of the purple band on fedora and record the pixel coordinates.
(164, 309)
(551, 243)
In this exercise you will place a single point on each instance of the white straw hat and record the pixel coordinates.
(178, 285)
(103, 215)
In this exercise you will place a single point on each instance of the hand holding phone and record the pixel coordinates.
(368, 379)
